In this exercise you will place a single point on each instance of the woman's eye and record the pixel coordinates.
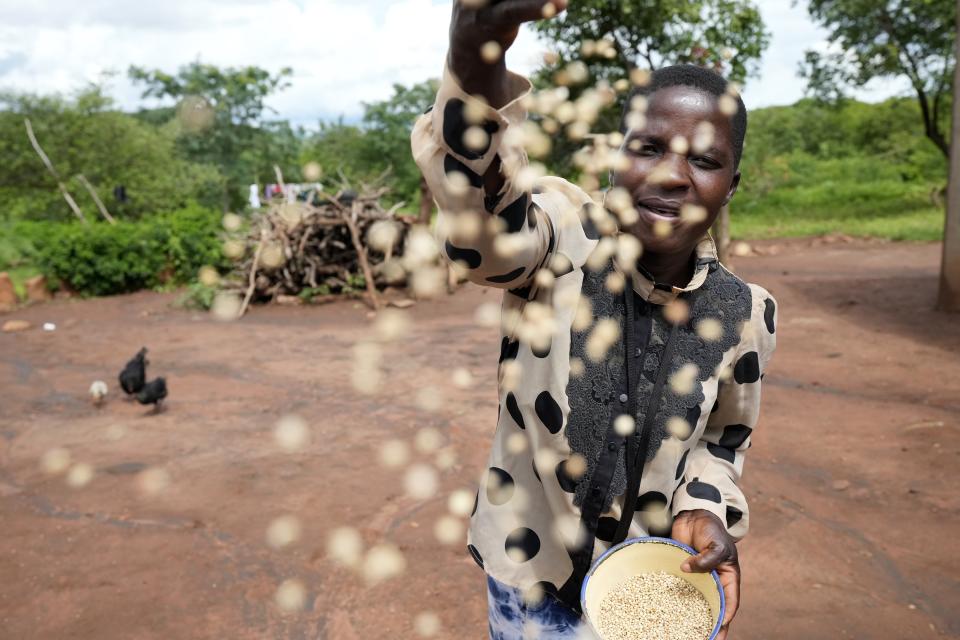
(706, 163)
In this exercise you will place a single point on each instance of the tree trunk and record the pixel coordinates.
(426, 203)
(949, 298)
(721, 235)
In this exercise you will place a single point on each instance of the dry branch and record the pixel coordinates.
(49, 165)
(324, 248)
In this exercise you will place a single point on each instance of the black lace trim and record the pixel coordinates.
(592, 396)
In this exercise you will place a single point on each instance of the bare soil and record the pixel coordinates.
(852, 476)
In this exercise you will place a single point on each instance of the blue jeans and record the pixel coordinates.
(511, 618)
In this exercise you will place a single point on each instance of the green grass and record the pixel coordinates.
(887, 209)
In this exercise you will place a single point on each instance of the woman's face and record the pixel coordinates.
(661, 181)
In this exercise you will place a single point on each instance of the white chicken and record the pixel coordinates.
(98, 392)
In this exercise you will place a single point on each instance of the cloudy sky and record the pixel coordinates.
(343, 52)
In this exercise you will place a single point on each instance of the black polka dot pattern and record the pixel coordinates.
(652, 500)
(747, 368)
(734, 516)
(476, 555)
(735, 435)
(703, 491)
(522, 292)
(514, 214)
(589, 228)
(500, 486)
(522, 545)
(567, 482)
(454, 126)
(507, 277)
(541, 352)
(682, 465)
(770, 308)
(451, 164)
(509, 350)
(548, 589)
(490, 202)
(549, 412)
(532, 215)
(607, 528)
(514, 410)
(476, 502)
(469, 257)
(721, 452)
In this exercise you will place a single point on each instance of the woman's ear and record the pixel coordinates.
(733, 188)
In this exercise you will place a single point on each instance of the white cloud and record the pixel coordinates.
(343, 52)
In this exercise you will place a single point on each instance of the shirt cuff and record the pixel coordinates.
(450, 120)
(694, 495)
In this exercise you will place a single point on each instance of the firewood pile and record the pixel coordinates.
(340, 243)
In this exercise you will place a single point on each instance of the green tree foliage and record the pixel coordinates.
(727, 35)
(380, 143)
(388, 124)
(220, 121)
(86, 135)
(341, 149)
(886, 39)
(855, 168)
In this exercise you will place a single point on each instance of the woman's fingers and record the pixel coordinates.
(707, 560)
(517, 11)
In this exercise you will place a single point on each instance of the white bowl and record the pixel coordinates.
(646, 555)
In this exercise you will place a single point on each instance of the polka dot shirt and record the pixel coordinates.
(555, 486)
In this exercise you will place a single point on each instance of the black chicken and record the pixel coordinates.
(153, 393)
(134, 374)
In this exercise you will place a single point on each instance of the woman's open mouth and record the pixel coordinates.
(659, 210)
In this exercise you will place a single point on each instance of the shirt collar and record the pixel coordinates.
(658, 293)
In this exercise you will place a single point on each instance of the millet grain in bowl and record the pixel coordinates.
(655, 606)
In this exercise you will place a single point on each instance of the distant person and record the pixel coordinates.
(254, 197)
(650, 438)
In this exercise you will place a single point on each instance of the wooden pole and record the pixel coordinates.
(93, 194)
(949, 297)
(49, 165)
(351, 220)
(251, 287)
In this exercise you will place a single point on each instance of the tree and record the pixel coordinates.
(340, 149)
(220, 118)
(85, 134)
(380, 143)
(949, 298)
(886, 39)
(388, 124)
(727, 35)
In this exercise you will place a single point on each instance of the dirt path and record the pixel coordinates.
(852, 477)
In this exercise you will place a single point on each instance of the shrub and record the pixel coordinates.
(104, 259)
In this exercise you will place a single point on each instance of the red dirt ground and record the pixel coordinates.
(852, 477)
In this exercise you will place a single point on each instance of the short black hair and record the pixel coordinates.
(707, 80)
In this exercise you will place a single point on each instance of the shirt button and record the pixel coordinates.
(623, 397)
(612, 446)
